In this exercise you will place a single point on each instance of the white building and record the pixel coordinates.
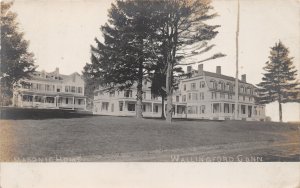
(203, 95)
(123, 103)
(50, 90)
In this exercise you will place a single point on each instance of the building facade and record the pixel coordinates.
(202, 95)
(123, 103)
(51, 91)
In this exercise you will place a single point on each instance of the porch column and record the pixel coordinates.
(33, 96)
(124, 106)
(13, 100)
(44, 101)
(84, 103)
(55, 101)
(152, 109)
(21, 100)
(73, 102)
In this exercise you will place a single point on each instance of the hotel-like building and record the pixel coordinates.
(50, 91)
(202, 95)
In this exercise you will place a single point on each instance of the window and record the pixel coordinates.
(193, 86)
(183, 98)
(242, 89)
(67, 100)
(144, 95)
(216, 108)
(112, 93)
(38, 86)
(184, 87)
(49, 99)
(201, 96)
(73, 89)
(243, 108)
(202, 84)
(232, 108)
(212, 84)
(79, 101)
(202, 109)
(79, 89)
(177, 98)
(131, 107)
(66, 88)
(190, 96)
(120, 106)
(156, 108)
(226, 108)
(144, 108)
(105, 106)
(231, 87)
(27, 98)
(128, 93)
(222, 95)
(213, 95)
(38, 99)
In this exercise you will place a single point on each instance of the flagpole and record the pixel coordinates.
(237, 64)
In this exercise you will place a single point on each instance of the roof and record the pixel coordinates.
(220, 76)
(60, 77)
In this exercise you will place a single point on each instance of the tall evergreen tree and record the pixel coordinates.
(125, 56)
(183, 29)
(16, 61)
(279, 80)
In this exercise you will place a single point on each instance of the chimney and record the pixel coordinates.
(243, 77)
(200, 69)
(56, 71)
(218, 70)
(43, 74)
(189, 69)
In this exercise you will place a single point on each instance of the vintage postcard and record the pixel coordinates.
(202, 82)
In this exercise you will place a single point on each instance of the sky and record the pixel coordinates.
(61, 32)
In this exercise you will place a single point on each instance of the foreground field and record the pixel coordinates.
(104, 138)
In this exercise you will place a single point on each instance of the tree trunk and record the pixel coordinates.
(169, 92)
(162, 108)
(139, 95)
(280, 111)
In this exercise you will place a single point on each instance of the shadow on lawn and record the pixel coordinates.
(35, 114)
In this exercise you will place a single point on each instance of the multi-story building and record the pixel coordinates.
(123, 103)
(50, 90)
(202, 95)
(208, 95)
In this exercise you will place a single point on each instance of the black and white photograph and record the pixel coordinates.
(155, 81)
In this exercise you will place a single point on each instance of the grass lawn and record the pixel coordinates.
(99, 135)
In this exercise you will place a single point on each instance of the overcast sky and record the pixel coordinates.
(61, 32)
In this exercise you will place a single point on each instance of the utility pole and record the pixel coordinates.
(237, 63)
